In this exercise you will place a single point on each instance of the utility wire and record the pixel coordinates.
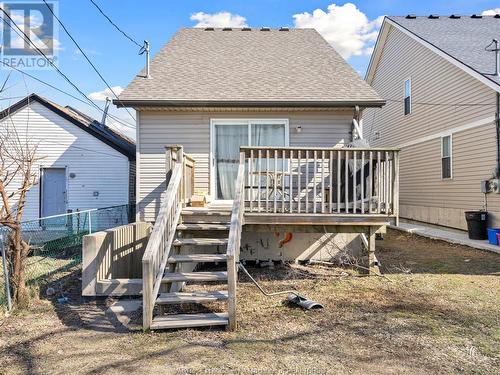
(65, 93)
(115, 25)
(12, 97)
(88, 101)
(73, 146)
(27, 38)
(86, 57)
(462, 104)
(53, 141)
(5, 82)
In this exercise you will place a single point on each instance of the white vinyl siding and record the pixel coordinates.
(192, 130)
(424, 194)
(96, 167)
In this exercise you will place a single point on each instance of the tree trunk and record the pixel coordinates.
(19, 251)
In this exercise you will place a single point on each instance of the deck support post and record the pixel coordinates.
(372, 265)
(232, 279)
(172, 154)
(147, 290)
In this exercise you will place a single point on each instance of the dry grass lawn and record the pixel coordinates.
(440, 314)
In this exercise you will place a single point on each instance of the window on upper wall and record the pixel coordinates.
(407, 102)
(446, 151)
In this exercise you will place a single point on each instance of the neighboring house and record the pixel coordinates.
(262, 120)
(82, 163)
(442, 97)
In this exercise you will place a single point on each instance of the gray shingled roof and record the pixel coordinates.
(463, 38)
(202, 67)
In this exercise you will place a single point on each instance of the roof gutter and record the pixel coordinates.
(497, 128)
(247, 103)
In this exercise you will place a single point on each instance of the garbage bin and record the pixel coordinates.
(477, 223)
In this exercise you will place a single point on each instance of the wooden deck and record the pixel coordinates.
(296, 189)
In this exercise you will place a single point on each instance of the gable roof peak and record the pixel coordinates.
(249, 67)
(459, 39)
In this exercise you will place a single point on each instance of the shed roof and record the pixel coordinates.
(462, 38)
(112, 138)
(249, 67)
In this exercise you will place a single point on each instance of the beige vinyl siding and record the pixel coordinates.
(192, 130)
(424, 195)
(433, 80)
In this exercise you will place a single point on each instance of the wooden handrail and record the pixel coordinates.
(234, 241)
(315, 180)
(246, 149)
(189, 160)
(157, 251)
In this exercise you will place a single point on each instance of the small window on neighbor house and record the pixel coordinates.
(446, 157)
(407, 97)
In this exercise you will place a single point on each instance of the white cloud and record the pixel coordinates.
(87, 52)
(106, 93)
(491, 12)
(221, 19)
(345, 27)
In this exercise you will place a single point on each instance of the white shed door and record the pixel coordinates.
(53, 191)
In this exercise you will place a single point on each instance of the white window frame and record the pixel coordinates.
(240, 121)
(404, 96)
(450, 156)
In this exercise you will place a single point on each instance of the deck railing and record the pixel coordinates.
(298, 180)
(234, 242)
(157, 251)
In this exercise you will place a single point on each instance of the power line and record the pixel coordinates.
(55, 142)
(12, 97)
(115, 25)
(88, 100)
(462, 104)
(27, 38)
(73, 146)
(65, 93)
(86, 57)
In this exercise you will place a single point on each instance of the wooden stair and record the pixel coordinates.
(201, 237)
(197, 258)
(200, 241)
(170, 277)
(189, 320)
(195, 297)
(202, 226)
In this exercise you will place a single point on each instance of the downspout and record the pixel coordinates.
(497, 124)
(496, 50)
(357, 132)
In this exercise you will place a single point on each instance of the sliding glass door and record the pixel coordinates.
(227, 141)
(228, 136)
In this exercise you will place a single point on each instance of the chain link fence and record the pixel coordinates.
(56, 243)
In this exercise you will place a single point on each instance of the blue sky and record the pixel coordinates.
(350, 28)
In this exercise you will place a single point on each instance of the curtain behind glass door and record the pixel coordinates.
(268, 135)
(228, 139)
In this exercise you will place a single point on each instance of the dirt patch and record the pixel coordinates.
(440, 314)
